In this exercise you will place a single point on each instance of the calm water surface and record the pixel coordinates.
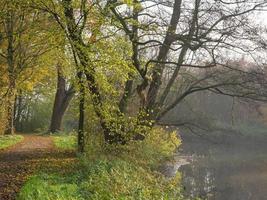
(228, 167)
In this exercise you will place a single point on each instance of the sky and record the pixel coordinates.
(262, 17)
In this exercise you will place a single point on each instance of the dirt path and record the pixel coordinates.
(21, 160)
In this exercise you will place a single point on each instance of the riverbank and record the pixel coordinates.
(109, 172)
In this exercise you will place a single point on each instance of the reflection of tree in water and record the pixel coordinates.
(198, 181)
(209, 177)
(226, 177)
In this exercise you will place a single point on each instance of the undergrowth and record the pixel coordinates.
(126, 172)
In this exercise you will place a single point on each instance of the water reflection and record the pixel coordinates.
(198, 180)
(227, 172)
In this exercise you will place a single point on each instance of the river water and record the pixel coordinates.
(230, 166)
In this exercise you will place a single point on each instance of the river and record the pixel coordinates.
(228, 166)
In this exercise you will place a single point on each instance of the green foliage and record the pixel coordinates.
(65, 141)
(112, 172)
(113, 67)
(9, 140)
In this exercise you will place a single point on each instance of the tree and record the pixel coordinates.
(62, 99)
(188, 57)
(23, 44)
(177, 48)
(81, 47)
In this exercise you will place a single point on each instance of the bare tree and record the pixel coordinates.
(200, 37)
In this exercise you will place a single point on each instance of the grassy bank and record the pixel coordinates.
(9, 140)
(110, 173)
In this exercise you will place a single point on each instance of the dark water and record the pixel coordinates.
(228, 167)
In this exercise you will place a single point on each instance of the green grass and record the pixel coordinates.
(49, 187)
(101, 180)
(109, 173)
(65, 142)
(9, 140)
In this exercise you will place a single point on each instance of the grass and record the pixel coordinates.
(49, 187)
(65, 141)
(100, 180)
(110, 173)
(9, 140)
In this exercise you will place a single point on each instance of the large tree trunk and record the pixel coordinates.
(10, 120)
(9, 130)
(18, 111)
(11, 74)
(61, 103)
(162, 56)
